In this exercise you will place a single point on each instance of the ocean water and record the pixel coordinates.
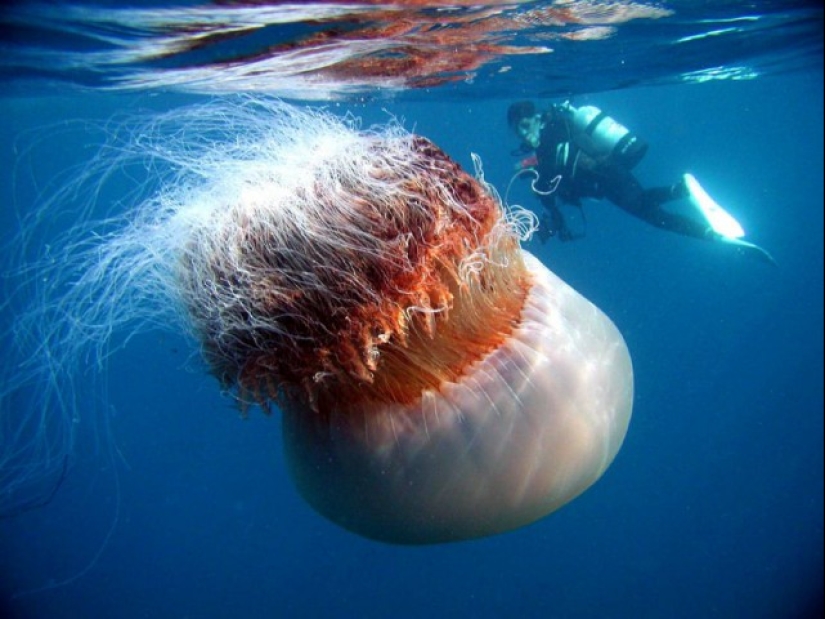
(171, 505)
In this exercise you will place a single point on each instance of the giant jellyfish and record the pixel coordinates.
(435, 381)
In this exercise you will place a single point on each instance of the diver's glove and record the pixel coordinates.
(550, 227)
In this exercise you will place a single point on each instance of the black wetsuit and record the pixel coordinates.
(583, 176)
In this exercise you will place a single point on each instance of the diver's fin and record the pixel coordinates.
(749, 248)
(722, 225)
(720, 221)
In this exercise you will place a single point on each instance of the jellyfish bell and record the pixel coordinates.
(435, 381)
(524, 429)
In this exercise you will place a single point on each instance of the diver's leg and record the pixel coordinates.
(648, 205)
(625, 191)
(650, 208)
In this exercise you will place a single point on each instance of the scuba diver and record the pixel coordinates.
(583, 153)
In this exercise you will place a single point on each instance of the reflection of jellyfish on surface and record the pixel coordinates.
(436, 382)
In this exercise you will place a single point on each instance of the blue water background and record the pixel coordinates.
(713, 508)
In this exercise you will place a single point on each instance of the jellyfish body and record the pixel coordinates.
(436, 382)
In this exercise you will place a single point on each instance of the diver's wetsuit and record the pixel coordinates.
(583, 176)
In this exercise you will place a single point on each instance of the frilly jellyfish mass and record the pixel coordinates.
(435, 382)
